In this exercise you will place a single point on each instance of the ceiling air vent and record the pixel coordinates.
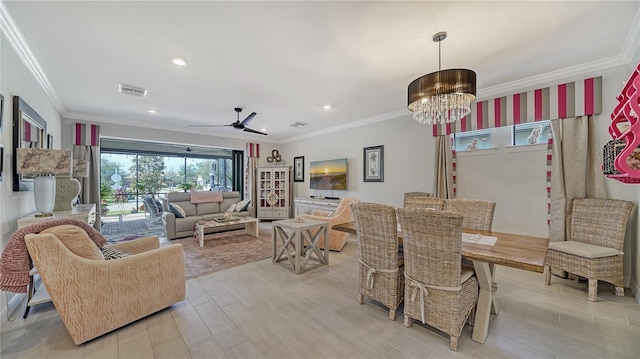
(132, 90)
(298, 124)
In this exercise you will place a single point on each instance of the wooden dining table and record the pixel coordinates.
(511, 250)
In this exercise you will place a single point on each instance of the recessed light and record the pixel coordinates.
(264, 130)
(152, 110)
(298, 124)
(178, 61)
(327, 107)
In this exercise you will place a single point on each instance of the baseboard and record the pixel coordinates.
(15, 303)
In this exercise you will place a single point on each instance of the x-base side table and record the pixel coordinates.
(298, 242)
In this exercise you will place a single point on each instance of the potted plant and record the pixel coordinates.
(186, 186)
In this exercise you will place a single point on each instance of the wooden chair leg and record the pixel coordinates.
(620, 291)
(593, 290)
(453, 343)
(407, 321)
(547, 274)
(360, 298)
(392, 314)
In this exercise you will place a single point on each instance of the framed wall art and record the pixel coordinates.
(1, 161)
(1, 111)
(298, 169)
(29, 130)
(373, 164)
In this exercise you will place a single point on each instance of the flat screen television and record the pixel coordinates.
(331, 174)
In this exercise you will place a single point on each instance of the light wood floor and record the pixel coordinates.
(262, 310)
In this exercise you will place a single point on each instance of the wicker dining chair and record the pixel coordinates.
(380, 261)
(439, 290)
(594, 251)
(476, 214)
(421, 199)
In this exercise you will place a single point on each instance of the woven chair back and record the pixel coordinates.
(477, 214)
(600, 221)
(417, 199)
(377, 229)
(432, 242)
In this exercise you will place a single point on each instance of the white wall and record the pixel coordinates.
(408, 159)
(16, 80)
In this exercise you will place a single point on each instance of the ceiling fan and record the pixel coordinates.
(238, 125)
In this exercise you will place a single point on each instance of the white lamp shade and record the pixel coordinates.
(44, 192)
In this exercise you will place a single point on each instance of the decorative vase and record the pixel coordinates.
(67, 190)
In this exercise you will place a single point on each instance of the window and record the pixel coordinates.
(531, 133)
(472, 140)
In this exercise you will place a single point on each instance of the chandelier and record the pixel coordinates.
(444, 96)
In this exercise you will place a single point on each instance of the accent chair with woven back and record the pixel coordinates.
(594, 250)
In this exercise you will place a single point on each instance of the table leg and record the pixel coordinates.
(297, 244)
(201, 235)
(485, 299)
(251, 228)
(494, 288)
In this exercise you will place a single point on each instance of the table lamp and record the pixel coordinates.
(68, 188)
(43, 163)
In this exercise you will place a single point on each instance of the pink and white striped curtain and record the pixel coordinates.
(253, 158)
(580, 98)
(86, 146)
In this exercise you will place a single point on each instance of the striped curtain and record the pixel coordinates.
(253, 158)
(86, 146)
(580, 98)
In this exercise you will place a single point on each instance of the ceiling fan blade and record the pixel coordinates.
(208, 125)
(254, 131)
(248, 119)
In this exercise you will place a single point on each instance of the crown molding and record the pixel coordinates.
(24, 53)
(631, 44)
(533, 81)
(84, 117)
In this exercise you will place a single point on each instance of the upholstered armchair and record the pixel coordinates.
(594, 250)
(95, 296)
(342, 214)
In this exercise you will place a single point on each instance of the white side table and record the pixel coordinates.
(298, 242)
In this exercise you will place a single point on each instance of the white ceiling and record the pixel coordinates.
(285, 60)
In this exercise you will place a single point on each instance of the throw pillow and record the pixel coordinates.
(242, 205)
(231, 208)
(76, 240)
(177, 210)
(114, 253)
(206, 196)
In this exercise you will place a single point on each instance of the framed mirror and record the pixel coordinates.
(29, 131)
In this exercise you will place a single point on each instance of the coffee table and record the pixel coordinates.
(250, 226)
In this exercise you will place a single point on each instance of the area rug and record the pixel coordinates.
(224, 250)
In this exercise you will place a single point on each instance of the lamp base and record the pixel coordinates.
(44, 193)
(67, 190)
(38, 215)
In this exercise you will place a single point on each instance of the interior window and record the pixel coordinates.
(531, 133)
(472, 140)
